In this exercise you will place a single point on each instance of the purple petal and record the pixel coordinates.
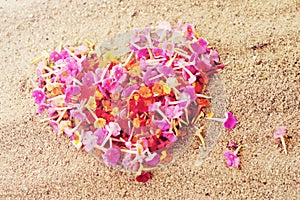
(148, 75)
(155, 106)
(200, 46)
(166, 70)
(101, 134)
(162, 124)
(127, 92)
(88, 79)
(111, 156)
(153, 160)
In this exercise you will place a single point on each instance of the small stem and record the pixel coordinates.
(186, 115)
(135, 45)
(148, 37)
(157, 76)
(171, 125)
(169, 63)
(190, 47)
(110, 143)
(175, 129)
(61, 115)
(74, 56)
(131, 133)
(50, 73)
(216, 119)
(48, 69)
(140, 169)
(197, 113)
(128, 151)
(237, 150)
(163, 115)
(48, 119)
(180, 51)
(176, 92)
(148, 168)
(179, 123)
(283, 144)
(93, 113)
(182, 121)
(77, 126)
(198, 133)
(57, 97)
(62, 108)
(59, 66)
(176, 102)
(203, 96)
(77, 81)
(129, 57)
(38, 59)
(103, 74)
(226, 63)
(101, 148)
(117, 140)
(192, 78)
(183, 55)
(198, 117)
(106, 139)
(154, 61)
(197, 34)
(150, 52)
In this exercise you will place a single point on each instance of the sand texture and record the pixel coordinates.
(259, 39)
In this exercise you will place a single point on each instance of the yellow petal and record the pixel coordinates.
(98, 95)
(99, 123)
(199, 135)
(91, 104)
(209, 115)
(109, 57)
(197, 34)
(163, 155)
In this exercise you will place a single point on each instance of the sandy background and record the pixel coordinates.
(262, 91)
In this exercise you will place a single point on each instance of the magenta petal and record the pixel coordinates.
(55, 56)
(39, 96)
(170, 136)
(230, 121)
(231, 159)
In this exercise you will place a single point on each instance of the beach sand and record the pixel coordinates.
(259, 39)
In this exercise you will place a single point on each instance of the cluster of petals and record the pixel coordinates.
(128, 112)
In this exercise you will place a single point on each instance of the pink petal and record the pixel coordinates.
(281, 131)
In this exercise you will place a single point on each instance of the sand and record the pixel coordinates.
(259, 39)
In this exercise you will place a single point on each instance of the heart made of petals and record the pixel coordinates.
(130, 110)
